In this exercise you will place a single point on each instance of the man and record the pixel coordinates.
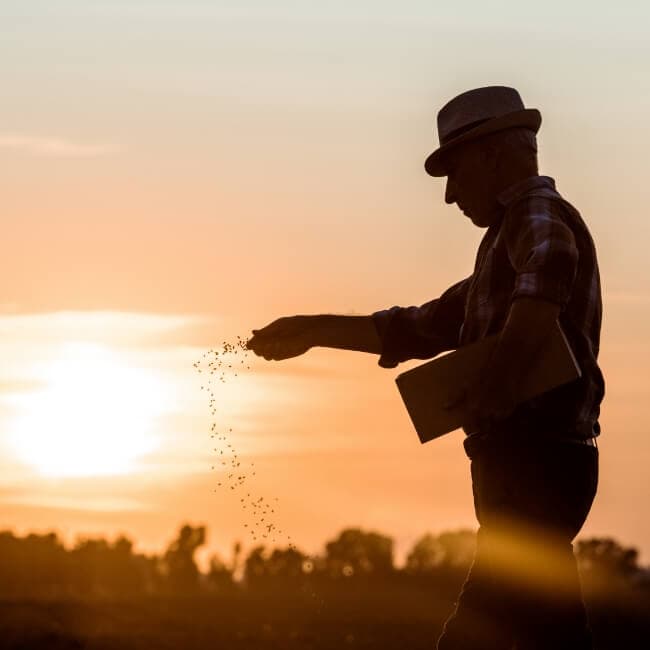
(534, 464)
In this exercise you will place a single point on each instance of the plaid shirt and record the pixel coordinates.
(539, 248)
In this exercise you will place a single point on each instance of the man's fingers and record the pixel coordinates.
(283, 338)
(281, 327)
(256, 345)
(260, 341)
(271, 350)
(278, 350)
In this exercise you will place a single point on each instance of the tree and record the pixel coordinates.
(281, 567)
(219, 577)
(178, 565)
(286, 564)
(457, 548)
(99, 567)
(607, 555)
(606, 566)
(425, 556)
(356, 552)
(448, 552)
(32, 565)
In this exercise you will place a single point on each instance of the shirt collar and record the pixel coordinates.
(518, 189)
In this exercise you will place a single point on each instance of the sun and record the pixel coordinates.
(93, 416)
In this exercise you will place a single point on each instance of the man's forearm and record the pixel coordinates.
(494, 394)
(346, 333)
(527, 328)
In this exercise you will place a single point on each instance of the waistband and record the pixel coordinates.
(578, 432)
(475, 443)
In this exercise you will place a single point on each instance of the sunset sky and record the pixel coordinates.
(174, 174)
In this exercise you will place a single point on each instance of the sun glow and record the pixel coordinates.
(93, 416)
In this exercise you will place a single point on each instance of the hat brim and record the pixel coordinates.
(529, 118)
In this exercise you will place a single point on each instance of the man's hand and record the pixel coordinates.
(284, 338)
(488, 399)
(294, 335)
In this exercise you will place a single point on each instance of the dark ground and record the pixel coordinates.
(379, 621)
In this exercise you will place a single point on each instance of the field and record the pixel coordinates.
(244, 622)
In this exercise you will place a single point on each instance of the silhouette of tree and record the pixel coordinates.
(280, 567)
(607, 555)
(424, 557)
(360, 553)
(89, 573)
(606, 566)
(287, 564)
(35, 565)
(449, 551)
(178, 565)
(219, 577)
(102, 568)
(236, 557)
(255, 566)
(457, 548)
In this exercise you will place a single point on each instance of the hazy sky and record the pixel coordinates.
(173, 174)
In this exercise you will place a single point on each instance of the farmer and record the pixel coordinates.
(534, 464)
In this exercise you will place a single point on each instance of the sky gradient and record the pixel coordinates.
(175, 174)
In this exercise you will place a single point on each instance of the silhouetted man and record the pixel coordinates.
(534, 464)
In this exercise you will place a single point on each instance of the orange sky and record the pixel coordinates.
(173, 175)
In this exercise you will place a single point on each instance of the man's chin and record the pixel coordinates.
(478, 221)
(481, 220)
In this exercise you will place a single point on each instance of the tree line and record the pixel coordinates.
(40, 565)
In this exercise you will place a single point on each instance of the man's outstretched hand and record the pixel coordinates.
(292, 336)
(284, 338)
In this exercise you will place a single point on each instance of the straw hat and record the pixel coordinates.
(478, 112)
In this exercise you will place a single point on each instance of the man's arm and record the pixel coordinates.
(425, 331)
(293, 335)
(396, 334)
(356, 333)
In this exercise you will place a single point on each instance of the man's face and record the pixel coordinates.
(471, 183)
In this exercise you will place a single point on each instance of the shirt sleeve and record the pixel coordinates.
(421, 332)
(542, 251)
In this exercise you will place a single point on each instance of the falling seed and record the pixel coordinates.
(219, 368)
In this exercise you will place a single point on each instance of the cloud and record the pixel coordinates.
(53, 146)
(98, 504)
(100, 326)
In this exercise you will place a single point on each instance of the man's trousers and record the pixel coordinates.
(532, 496)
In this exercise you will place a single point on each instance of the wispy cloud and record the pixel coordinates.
(54, 146)
(100, 326)
(94, 504)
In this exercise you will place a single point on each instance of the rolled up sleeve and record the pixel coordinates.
(421, 332)
(542, 251)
